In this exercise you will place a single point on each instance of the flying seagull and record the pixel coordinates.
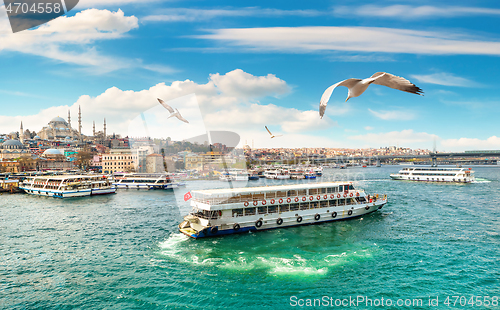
(357, 87)
(173, 113)
(272, 136)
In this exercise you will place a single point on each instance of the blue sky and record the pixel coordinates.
(255, 63)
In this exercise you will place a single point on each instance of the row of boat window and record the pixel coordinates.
(289, 193)
(144, 181)
(117, 164)
(296, 206)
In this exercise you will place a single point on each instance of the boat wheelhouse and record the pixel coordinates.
(227, 211)
(433, 174)
(145, 181)
(64, 186)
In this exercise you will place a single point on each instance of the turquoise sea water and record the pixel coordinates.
(124, 251)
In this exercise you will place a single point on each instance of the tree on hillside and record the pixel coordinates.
(83, 159)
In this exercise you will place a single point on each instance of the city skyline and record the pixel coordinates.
(242, 67)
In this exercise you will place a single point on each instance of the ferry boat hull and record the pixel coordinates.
(290, 221)
(68, 186)
(439, 175)
(228, 218)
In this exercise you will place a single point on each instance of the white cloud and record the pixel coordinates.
(393, 115)
(196, 15)
(72, 39)
(109, 3)
(405, 137)
(412, 12)
(369, 128)
(225, 102)
(445, 79)
(353, 39)
(492, 142)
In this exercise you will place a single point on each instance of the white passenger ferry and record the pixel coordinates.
(64, 186)
(432, 174)
(227, 211)
(280, 174)
(145, 181)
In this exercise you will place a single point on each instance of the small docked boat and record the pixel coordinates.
(146, 181)
(433, 174)
(228, 211)
(277, 174)
(64, 186)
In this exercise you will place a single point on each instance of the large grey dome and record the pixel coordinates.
(58, 119)
(12, 144)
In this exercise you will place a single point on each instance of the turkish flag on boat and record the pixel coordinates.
(187, 196)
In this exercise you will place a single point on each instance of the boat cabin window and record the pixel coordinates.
(323, 204)
(302, 192)
(304, 205)
(314, 205)
(234, 199)
(284, 208)
(250, 211)
(351, 187)
(258, 196)
(270, 195)
(294, 207)
(280, 194)
(262, 210)
(341, 202)
(322, 190)
(246, 197)
(272, 209)
(291, 193)
(237, 212)
(313, 191)
(330, 190)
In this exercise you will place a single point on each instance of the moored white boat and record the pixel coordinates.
(228, 211)
(64, 186)
(433, 174)
(146, 181)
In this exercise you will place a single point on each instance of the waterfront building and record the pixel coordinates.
(154, 163)
(119, 160)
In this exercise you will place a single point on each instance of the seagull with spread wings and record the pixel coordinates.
(357, 87)
(272, 136)
(173, 113)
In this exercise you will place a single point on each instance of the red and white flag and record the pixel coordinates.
(187, 196)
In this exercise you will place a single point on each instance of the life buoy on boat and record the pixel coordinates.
(351, 194)
(334, 214)
(338, 195)
(255, 203)
(325, 197)
(304, 198)
(317, 217)
(272, 201)
(279, 221)
(367, 207)
(288, 200)
(350, 212)
(357, 194)
(280, 201)
(296, 199)
(345, 195)
(246, 203)
(264, 202)
(332, 196)
(299, 219)
(258, 224)
(311, 197)
(214, 229)
(236, 226)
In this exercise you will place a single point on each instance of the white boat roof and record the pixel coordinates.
(260, 189)
(64, 177)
